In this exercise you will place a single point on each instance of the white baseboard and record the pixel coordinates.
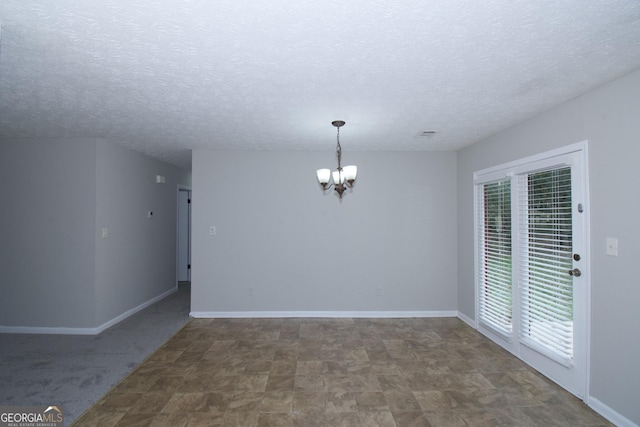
(60, 330)
(319, 314)
(466, 319)
(134, 310)
(84, 331)
(610, 414)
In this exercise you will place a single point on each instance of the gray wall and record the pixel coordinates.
(300, 250)
(55, 269)
(608, 118)
(46, 232)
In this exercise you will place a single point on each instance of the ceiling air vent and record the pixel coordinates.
(427, 133)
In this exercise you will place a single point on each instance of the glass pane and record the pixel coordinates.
(547, 297)
(495, 258)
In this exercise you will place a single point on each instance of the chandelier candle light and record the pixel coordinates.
(343, 178)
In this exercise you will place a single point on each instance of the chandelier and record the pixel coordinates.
(343, 178)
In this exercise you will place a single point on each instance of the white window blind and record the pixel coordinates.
(494, 255)
(546, 288)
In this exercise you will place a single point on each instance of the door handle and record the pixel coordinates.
(575, 272)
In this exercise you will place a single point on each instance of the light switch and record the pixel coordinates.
(612, 246)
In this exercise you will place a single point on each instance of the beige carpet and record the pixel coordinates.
(335, 372)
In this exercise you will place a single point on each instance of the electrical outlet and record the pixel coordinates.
(378, 292)
(212, 230)
(105, 232)
(250, 292)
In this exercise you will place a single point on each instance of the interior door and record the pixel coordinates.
(532, 275)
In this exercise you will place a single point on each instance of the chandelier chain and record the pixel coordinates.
(339, 150)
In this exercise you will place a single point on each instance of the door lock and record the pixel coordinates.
(575, 272)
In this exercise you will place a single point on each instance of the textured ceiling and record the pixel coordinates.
(166, 76)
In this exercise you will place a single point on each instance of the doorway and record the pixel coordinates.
(532, 258)
(184, 236)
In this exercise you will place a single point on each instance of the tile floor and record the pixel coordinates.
(335, 372)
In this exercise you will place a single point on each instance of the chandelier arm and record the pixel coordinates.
(327, 187)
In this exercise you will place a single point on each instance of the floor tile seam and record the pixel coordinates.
(191, 411)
